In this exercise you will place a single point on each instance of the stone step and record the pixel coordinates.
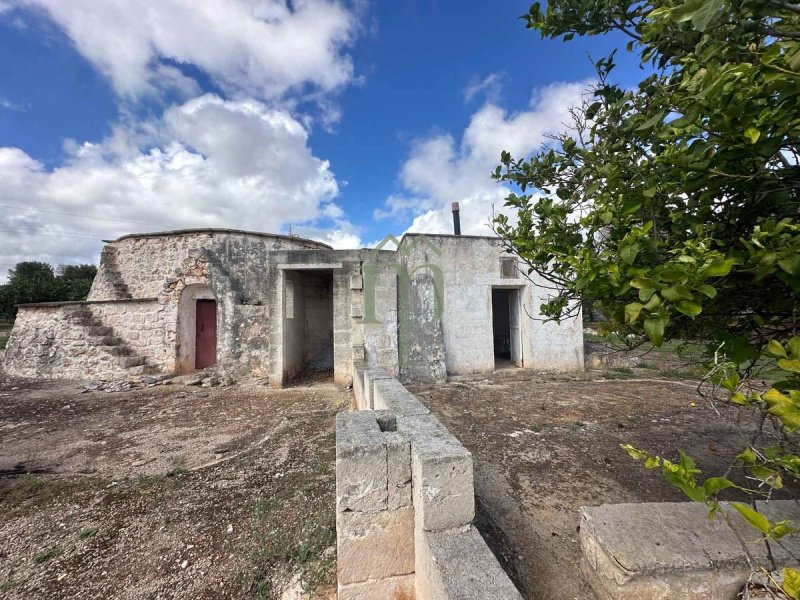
(119, 350)
(126, 362)
(100, 330)
(105, 340)
(143, 370)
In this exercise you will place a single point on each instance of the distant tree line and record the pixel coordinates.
(40, 282)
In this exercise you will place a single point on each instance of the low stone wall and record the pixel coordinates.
(405, 503)
(83, 340)
(672, 551)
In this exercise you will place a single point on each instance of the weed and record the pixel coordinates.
(578, 425)
(46, 555)
(45, 491)
(650, 366)
(619, 373)
(85, 534)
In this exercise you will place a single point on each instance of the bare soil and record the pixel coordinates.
(166, 492)
(543, 448)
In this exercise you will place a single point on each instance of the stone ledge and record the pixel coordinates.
(389, 394)
(458, 565)
(85, 302)
(671, 550)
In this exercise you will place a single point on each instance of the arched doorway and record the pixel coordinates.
(197, 328)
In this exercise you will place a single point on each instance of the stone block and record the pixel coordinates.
(361, 468)
(356, 282)
(391, 395)
(458, 565)
(442, 477)
(660, 551)
(374, 545)
(357, 309)
(370, 376)
(400, 587)
(784, 552)
(398, 459)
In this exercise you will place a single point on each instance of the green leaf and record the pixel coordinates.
(632, 311)
(793, 347)
(719, 268)
(752, 517)
(654, 327)
(791, 365)
(752, 134)
(739, 398)
(791, 582)
(791, 265)
(705, 14)
(690, 309)
(633, 452)
(649, 192)
(642, 283)
(714, 485)
(676, 292)
(708, 291)
(775, 349)
(628, 253)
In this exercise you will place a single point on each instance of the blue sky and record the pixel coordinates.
(343, 121)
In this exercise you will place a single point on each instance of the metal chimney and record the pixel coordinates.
(456, 219)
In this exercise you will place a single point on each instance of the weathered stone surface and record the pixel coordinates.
(660, 551)
(785, 553)
(361, 467)
(370, 377)
(400, 587)
(442, 478)
(458, 565)
(374, 545)
(398, 457)
(391, 395)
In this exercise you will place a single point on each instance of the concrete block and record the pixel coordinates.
(357, 309)
(400, 587)
(458, 565)
(361, 468)
(358, 369)
(356, 282)
(358, 353)
(660, 551)
(775, 510)
(374, 545)
(391, 395)
(398, 458)
(370, 376)
(442, 477)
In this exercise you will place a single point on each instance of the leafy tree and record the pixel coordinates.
(674, 209)
(37, 282)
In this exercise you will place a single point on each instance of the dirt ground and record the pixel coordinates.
(545, 447)
(166, 492)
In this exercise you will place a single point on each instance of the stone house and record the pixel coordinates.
(263, 305)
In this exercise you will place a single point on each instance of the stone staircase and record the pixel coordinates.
(108, 259)
(102, 337)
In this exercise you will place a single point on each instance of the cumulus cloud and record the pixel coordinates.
(205, 163)
(440, 170)
(258, 48)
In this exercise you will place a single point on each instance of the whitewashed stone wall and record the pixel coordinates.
(471, 268)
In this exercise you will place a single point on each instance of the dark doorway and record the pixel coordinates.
(206, 339)
(506, 327)
(308, 326)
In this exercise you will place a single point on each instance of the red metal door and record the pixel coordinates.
(206, 340)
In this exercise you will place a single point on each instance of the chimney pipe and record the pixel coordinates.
(456, 219)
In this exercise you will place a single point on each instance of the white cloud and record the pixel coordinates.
(440, 170)
(205, 163)
(491, 85)
(257, 48)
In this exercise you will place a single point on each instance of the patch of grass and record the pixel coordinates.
(648, 366)
(294, 527)
(10, 584)
(46, 555)
(3, 341)
(680, 374)
(619, 373)
(578, 425)
(85, 534)
(44, 491)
